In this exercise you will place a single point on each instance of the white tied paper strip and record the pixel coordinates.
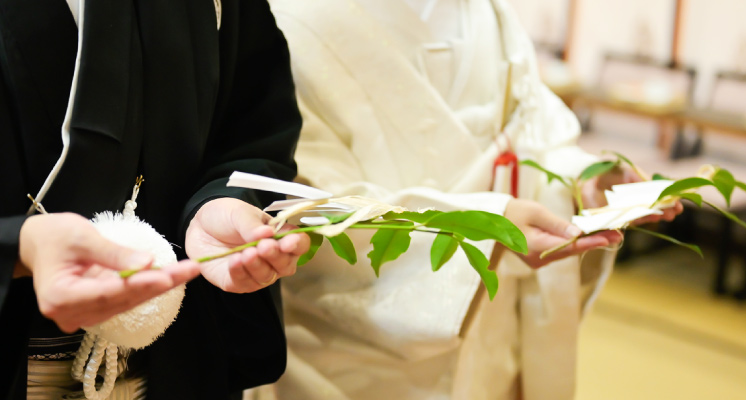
(313, 201)
(626, 203)
(251, 181)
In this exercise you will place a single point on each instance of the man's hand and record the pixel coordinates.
(75, 271)
(223, 224)
(593, 193)
(545, 231)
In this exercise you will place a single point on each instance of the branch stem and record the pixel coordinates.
(558, 247)
(312, 228)
(578, 193)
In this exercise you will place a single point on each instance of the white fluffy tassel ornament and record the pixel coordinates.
(138, 327)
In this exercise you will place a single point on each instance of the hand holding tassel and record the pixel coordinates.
(75, 271)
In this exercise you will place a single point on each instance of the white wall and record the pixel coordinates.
(713, 37)
(628, 26)
(545, 20)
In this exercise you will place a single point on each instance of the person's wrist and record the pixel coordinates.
(510, 208)
(25, 245)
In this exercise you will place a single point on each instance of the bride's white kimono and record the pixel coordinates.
(393, 112)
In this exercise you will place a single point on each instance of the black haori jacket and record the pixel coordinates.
(161, 92)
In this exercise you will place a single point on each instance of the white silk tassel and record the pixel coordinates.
(135, 328)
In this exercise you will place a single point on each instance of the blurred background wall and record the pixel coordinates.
(714, 38)
(712, 32)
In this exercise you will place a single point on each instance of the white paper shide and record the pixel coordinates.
(626, 203)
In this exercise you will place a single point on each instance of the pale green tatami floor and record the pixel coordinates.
(656, 332)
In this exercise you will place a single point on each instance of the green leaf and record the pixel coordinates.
(471, 224)
(741, 185)
(597, 169)
(514, 239)
(693, 197)
(684, 184)
(659, 177)
(725, 183)
(389, 244)
(621, 157)
(550, 175)
(316, 241)
(344, 248)
(481, 264)
(335, 218)
(418, 217)
(691, 247)
(444, 246)
(478, 225)
(727, 214)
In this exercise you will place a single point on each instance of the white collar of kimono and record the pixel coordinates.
(421, 21)
(445, 18)
(436, 24)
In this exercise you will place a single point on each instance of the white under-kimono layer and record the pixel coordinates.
(395, 112)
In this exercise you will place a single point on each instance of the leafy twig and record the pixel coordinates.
(392, 239)
(685, 188)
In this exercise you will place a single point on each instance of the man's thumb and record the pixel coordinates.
(249, 224)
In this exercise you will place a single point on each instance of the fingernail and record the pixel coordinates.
(572, 231)
(139, 260)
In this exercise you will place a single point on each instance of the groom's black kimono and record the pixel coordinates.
(161, 93)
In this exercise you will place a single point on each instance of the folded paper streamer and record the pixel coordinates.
(626, 203)
(313, 203)
(251, 181)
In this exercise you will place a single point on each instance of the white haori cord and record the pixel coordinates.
(65, 131)
(96, 347)
(218, 11)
